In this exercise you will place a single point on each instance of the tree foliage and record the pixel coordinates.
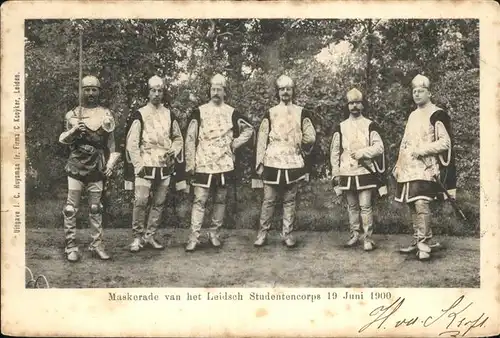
(378, 56)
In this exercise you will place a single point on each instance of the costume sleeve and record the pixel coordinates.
(177, 141)
(246, 131)
(441, 144)
(114, 155)
(190, 144)
(261, 146)
(308, 135)
(335, 153)
(376, 147)
(133, 145)
(69, 135)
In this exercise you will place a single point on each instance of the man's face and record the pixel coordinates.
(217, 94)
(421, 95)
(285, 93)
(90, 95)
(155, 95)
(355, 107)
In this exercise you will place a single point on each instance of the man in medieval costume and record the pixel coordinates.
(357, 159)
(215, 131)
(425, 156)
(286, 136)
(154, 147)
(89, 134)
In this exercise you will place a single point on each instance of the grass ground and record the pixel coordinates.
(318, 209)
(318, 261)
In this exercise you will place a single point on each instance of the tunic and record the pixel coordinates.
(286, 136)
(213, 134)
(427, 135)
(89, 151)
(150, 138)
(357, 134)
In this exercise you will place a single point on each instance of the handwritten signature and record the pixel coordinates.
(457, 323)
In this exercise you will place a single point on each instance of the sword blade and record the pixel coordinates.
(452, 200)
(80, 75)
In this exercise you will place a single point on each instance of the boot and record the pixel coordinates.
(413, 247)
(424, 251)
(290, 241)
(153, 243)
(136, 245)
(353, 240)
(410, 248)
(368, 245)
(214, 239)
(192, 242)
(261, 239)
(73, 256)
(100, 253)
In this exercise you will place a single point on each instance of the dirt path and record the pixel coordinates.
(318, 261)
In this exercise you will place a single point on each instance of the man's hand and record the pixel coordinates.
(81, 127)
(260, 170)
(170, 152)
(357, 155)
(138, 170)
(415, 153)
(108, 172)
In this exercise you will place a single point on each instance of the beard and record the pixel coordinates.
(90, 100)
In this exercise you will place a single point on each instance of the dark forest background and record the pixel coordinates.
(325, 57)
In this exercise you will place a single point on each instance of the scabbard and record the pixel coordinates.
(382, 188)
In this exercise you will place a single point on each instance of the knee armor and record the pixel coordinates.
(95, 209)
(69, 211)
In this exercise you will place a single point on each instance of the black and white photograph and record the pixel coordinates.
(336, 165)
(253, 152)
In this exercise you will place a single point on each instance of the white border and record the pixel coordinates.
(88, 312)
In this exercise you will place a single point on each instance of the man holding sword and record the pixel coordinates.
(425, 166)
(89, 134)
(357, 159)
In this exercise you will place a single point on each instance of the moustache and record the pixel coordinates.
(216, 96)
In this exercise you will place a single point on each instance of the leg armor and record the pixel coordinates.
(70, 212)
(95, 212)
